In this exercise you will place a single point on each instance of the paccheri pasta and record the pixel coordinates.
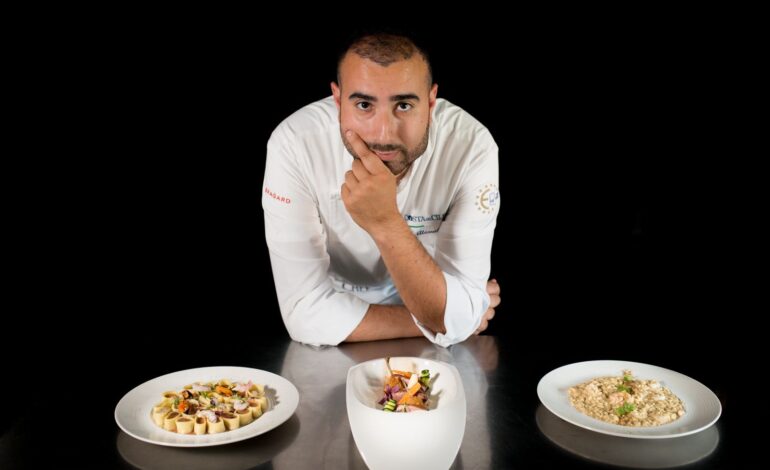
(627, 401)
(210, 407)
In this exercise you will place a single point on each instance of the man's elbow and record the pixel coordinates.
(302, 335)
(440, 329)
(301, 332)
(436, 323)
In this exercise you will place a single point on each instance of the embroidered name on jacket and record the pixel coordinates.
(277, 197)
(422, 224)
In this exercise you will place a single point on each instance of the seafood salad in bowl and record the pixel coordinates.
(405, 391)
(387, 396)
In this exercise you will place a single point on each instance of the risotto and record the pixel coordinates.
(627, 401)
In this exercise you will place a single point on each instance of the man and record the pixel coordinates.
(380, 206)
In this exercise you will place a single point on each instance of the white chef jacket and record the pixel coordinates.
(327, 269)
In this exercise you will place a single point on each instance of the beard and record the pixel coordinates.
(405, 156)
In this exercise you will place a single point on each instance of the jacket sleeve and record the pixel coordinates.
(464, 245)
(313, 311)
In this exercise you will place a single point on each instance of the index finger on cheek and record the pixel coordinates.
(356, 142)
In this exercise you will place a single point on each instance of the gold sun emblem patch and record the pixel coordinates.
(487, 198)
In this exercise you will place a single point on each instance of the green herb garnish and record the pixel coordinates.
(625, 409)
(624, 388)
(425, 377)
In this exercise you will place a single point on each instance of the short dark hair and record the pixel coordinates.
(384, 49)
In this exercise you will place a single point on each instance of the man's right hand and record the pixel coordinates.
(493, 289)
(369, 190)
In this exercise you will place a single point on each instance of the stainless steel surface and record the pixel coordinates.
(505, 425)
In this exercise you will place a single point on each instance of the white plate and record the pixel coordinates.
(133, 411)
(701, 405)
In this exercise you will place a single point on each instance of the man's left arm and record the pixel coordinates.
(464, 245)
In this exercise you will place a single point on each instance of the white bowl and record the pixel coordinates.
(420, 440)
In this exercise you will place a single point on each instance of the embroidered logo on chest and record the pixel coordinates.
(422, 224)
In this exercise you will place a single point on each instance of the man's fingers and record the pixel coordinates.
(359, 170)
(350, 179)
(357, 143)
(493, 288)
(494, 301)
(490, 314)
(370, 160)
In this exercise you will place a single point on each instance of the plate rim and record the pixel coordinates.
(292, 404)
(622, 431)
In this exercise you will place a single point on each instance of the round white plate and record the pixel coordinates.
(701, 405)
(133, 411)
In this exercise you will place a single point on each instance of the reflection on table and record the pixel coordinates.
(239, 455)
(626, 452)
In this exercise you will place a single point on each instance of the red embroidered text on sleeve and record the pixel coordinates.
(277, 197)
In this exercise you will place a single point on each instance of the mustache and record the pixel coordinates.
(385, 147)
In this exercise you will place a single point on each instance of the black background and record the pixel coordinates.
(612, 221)
(616, 239)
